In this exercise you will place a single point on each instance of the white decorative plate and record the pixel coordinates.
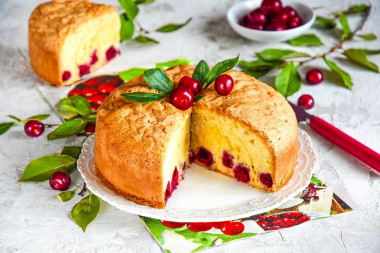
(206, 196)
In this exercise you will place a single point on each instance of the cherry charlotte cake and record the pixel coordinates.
(69, 39)
(143, 149)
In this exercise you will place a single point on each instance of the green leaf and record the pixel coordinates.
(346, 78)
(368, 36)
(260, 64)
(279, 54)
(143, 1)
(69, 128)
(5, 126)
(220, 68)
(325, 23)
(356, 9)
(201, 72)
(316, 181)
(39, 117)
(175, 62)
(196, 99)
(143, 97)
(359, 57)
(288, 81)
(157, 80)
(66, 108)
(130, 8)
(86, 210)
(256, 73)
(172, 27)
(127, 28)
(73, 151)
(306, 40)
(67, 195)
(15, 118)
(346, 29)
(370, 52)
(42, 168)
(82, 105)
(145, 39)
(91, 118)
(129, 74)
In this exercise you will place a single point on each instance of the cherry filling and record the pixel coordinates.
(94, 58)
(227, 159)
(111, 53)
(66, 75)
(191, 156)
(266, 179)
(241, 173)
(84, 69)
(172, 185)
(204, 156)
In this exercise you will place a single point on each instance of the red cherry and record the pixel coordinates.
(84, 69)
(276, 26)
(306, 101)
(182, 98)
(256, 26)
(228, 160)
(282, 16)
(111, 53)
(94, 107)
(190, 83)
(232, 228)
(90, 128)
(60, 180)
(272, 228)
(217, 225)
(89, 91)
(94, 58)
(290, 11)
(271, 6)
(241, 173)
(199, 226)
(314, 76)
(34, 128)
(91, 82)
(286, 222)
(97, 99)
(75, 92)
(258, 16)
(274, 217)
(66, 75)
(303, 219)
(204, 156)
(293, 215)
(106, 87)
(246, 20)
(172, 224)
(276, 222)
(263, 223)
(224, 84)
(294, 22)
(266, 179)
(262, 218)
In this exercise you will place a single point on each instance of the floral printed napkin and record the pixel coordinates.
(316, 201)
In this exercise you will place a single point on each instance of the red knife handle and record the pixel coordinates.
(352, 146)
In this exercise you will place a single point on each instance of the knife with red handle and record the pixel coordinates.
(352, 146)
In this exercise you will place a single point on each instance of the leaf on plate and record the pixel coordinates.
(172, 27)
(86, 210)
(368, 36)
(220, 68)
(145, 39)
(129, 74)
(69, 128)
(42, 168)
(325, 23)
(288, 81)
(201, 72)
(346, 29)
(73, 151)
(171, 63)
(279, 54)
(143, 97)
(359, 57)
(306, 40)
(157, 80)
(5, 127)
(127, 28)
(345, 77)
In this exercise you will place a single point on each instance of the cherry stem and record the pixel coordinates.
(84, 189)
(51, 125)
(142, 29)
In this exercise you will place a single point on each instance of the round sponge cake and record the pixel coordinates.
(142, 150)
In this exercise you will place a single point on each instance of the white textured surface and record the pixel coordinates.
(32, 219)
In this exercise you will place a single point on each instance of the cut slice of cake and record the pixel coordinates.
(69, 39)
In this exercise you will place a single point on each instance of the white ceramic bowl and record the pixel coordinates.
(239, 10)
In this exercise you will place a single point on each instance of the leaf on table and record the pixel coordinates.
(356, 9)
(66, 108)
(73, 151)
(256, 73)
(172, 27)
(325, 23)
(69, 128)
(130, 8)
(171, 63)
(39, 117)
(370, 52)
(15, 118)
(42, 168)
(5, 127)
(157, 80)
(82, 105)
(279, 54)
(288, 81)
(127, 28)
(86, 210)
(345, 77)
(259, 67)
(129, 74)
(143, 97)
(306, 40)
(359, 57)
(67, 195)
(91, 118)
(145, 39)
(220, 68)
(368, 36)
(143, 1)
(201, 72)
(346, 28)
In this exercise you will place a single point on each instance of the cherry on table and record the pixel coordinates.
(314, 76)
(182, 98)
(224, 84)
(190, 83)
(34, 128)
(60, 180)
(306, 101)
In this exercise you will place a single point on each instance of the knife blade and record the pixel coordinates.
(341, 139)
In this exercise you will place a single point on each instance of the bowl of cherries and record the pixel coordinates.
(270, 20)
